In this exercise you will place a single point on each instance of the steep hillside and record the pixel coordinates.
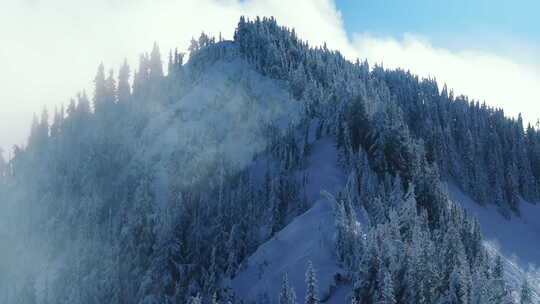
(308, 238)
(515, 238)
(311, 237)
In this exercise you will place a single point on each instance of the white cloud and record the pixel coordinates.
(51, 49)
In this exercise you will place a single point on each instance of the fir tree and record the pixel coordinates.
(3, 166)
(498, 269)
(124, 90)
(312, 296)
(286, 294)
(100, 89)
(525, 294)
(156, 65)
(386, 289)
(111, 93)
(232, 256)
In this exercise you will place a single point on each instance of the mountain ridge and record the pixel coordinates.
(140, 197)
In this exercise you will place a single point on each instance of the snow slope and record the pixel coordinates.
(517, 238)
(309, 237)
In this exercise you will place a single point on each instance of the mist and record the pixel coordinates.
(52, 50)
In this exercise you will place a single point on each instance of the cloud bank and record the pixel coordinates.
(53, 48)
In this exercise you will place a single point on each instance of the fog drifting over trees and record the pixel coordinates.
(53, 48)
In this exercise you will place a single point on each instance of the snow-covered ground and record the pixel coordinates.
(309, 237)
(517, 238)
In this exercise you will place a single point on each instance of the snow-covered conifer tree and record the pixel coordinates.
(312, 293)
(287, 294)
(525, 293)
(100, 90)
(124, 89)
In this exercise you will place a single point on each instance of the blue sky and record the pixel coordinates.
(481, 24)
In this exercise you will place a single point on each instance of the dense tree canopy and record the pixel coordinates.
(100, 213)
